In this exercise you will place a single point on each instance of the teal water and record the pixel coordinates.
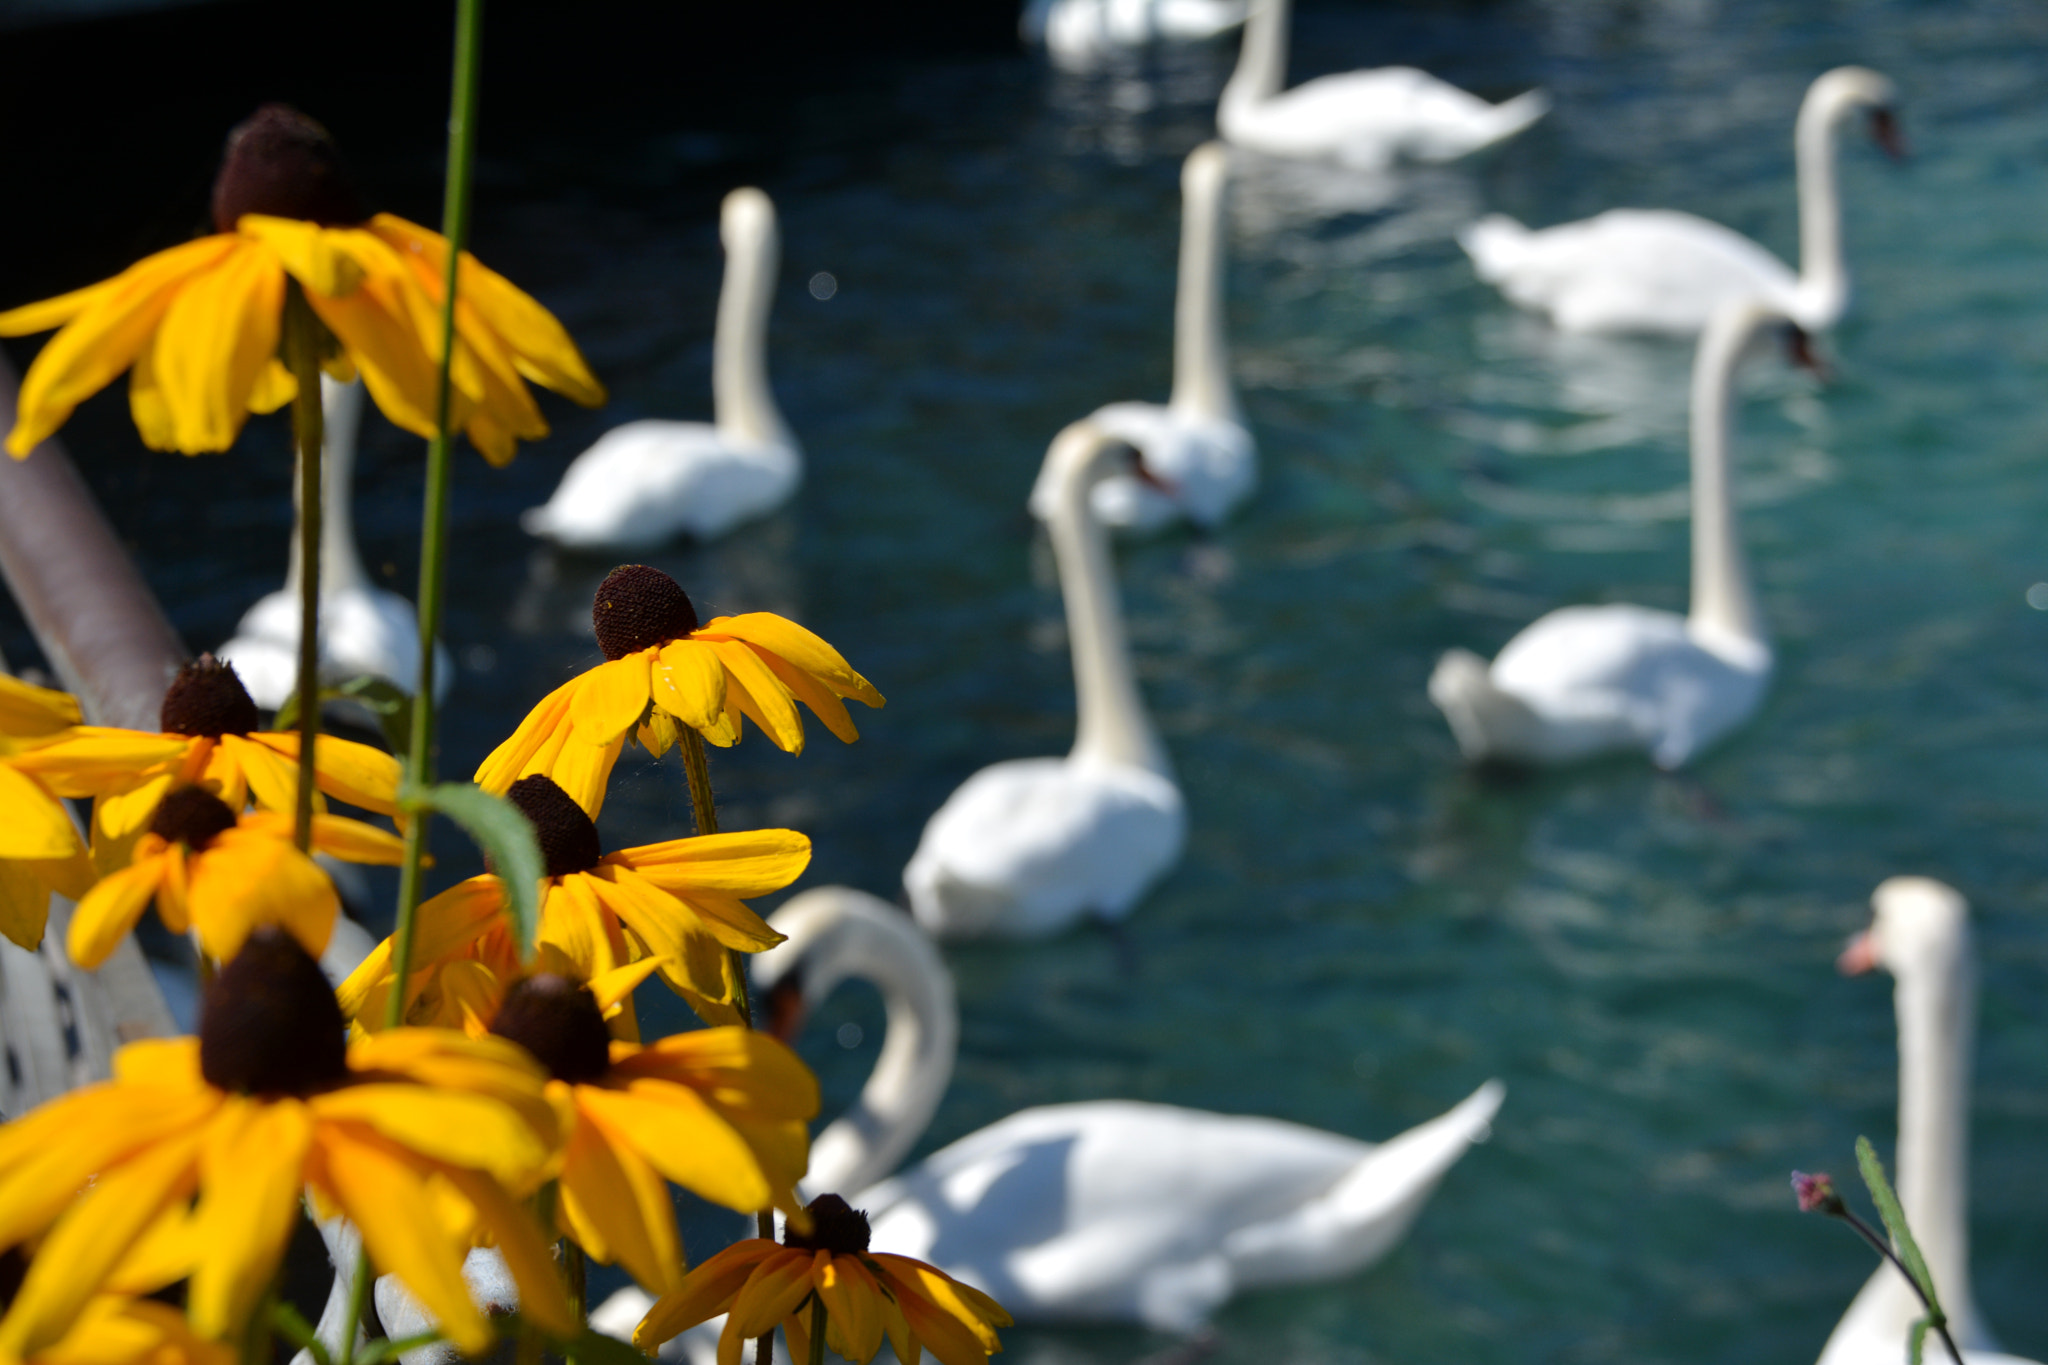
(1362, 931)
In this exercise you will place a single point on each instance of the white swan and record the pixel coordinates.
(1586, 680)
(649, 481)
(1921, 935)
(1657, 270)
(1196, 443)
(364, 630)
(1110, 1210)
(1079, 34)
(1367, 119)
(1028, 846)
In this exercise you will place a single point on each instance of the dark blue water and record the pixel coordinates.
(1361, 931)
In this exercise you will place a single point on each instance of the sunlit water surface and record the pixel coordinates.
(1362, 931)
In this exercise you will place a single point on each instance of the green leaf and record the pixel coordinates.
(1915, 1340)
(592, 1347)
(391, 704)
(377, 1352)
(505, 836)
(1895, 1223)
(293, 1327)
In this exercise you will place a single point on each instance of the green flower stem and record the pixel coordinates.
(358, 1302)
(419, 768)
(1935, 1319)
(302, 357)
(817, 1329)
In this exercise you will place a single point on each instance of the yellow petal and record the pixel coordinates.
(31, 318)
(704, 1293)
(526, 1253)
(611, 698)
(215, 339)
(24, 903)
(506, 764)
(745, 863)
(244, 880)
(273, 780)
(352, 841)
(740, 1068)
(772, 708)
(465, 1130)
(811, 693)
(251, 1172)
(274, 388)
(617, 1194)
(105, 336)
(693, 958)
(95, 760)
(313, 254)
(779, 635)
(32, 823)
(773, 1292)
(689, 683)
(344, 769)
(852, 1306)
(26, 709)
(109, 912)
(685, 1139)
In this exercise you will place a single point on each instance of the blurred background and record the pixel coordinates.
(979, 248)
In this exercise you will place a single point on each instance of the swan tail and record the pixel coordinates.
(1367, 1212)
(1487, 722)
(1510, 117)
(1497, 245)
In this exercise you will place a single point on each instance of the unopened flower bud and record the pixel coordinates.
(1817, 1194)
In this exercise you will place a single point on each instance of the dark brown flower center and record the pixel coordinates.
(568, 841)
(279, 162)
(835, 1227)
(192, 816)
(637, 608)
(270, 1025)
(558, 1021)
(206, 698)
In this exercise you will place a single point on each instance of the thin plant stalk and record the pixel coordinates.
(817, 1329)
(1883, 1247)
(704, 807)
(419, 766)
(302, 357)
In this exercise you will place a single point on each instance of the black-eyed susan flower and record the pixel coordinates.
(681, 901)
(663, 670)
(114, 1329)
(424, 1139)
(224, 875)
(211, 738)
(200, 323)
(867, 1295)
(720, 1111)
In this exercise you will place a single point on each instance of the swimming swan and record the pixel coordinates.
(1367, 119)
(1105, 1211)
(1657, 270)
(1920, 933)
(364, 630)
(1027, 846)
(1078, 34)
(1588, 680)
(649, 481)
(1196, 443)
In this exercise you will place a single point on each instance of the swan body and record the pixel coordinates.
(1920, 933)
(364, 630)
(1587, 680)
(1079, 34)
(647, 482)
(1196, 447)
(1661, 271)
(1366, 119)
(1105, 1211)
(1028, 846)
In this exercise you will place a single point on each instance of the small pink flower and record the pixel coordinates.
(1816, 1193)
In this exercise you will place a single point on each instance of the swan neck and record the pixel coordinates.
(1937, 1010)
(1201, 354)
(742, 404)
(1111, 723)
(1723, 602)
(341, 568)
(920, 1039)
(1261, 70)
(1823, 274)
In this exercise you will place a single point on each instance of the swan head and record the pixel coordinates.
(745, 218)
(1835, 94)
(1917, 924)
(831, 934)
(1081, 456)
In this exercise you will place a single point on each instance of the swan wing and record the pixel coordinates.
(647, 482)
(1630, 270)
(1374, 118)
(1026, 847)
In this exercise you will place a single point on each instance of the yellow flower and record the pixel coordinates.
(224, 875)
(39, 848)
(26, 885)
(424, 1139)
(116, 1330)
(720, 1111)
(200, 323)
(210, 740)
(867, 1295)
(663, 670)
(680, 901)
